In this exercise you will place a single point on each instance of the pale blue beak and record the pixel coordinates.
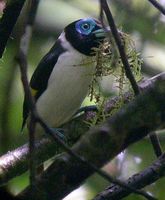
(100, 33)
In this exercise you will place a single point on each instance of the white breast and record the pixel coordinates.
(67, 87)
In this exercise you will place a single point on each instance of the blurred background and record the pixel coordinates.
(137, 18)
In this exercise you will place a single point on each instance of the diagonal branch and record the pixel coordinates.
(154, 139)
(90, 165)
(15, 162)
(140, 180)
(8, 21)
(22, 61)
(120, 46)
(103, 143)
(157, 5)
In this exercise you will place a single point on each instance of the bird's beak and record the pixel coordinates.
(100, 34)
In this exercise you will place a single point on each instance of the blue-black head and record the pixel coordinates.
(85, 34)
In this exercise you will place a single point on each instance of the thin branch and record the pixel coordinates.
(103, 143)
(120, 46)
(156, 144)
(154, 139)
(158, 6)
(8, 21)
(22, 61)
(140, 180)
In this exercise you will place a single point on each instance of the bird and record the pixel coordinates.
(62, 78)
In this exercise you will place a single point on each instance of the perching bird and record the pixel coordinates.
(61, 80)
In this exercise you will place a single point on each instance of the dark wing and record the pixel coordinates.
(40, 77)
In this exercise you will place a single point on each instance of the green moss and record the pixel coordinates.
(108, 62)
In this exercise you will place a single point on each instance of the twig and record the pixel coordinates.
(24, 44)
(156, 144)
(158, 6)
(104, 6)
(120, 46)
(153, 137)
(32, 12)
(22, 60)
(7, 22)
(140, 180)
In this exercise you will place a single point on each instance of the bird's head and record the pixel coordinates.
(85, 34)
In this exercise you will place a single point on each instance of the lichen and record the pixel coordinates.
(108, 62)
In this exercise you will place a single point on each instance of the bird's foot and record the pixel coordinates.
(60, 133)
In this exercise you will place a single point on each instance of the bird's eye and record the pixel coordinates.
(85, 26)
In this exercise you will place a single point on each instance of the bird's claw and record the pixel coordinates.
(60, 133)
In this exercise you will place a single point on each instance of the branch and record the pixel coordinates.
(120, 46)
(158, 6)
(140, 180)
(154, 139)
(22, 61)
(7, 22)
(101, 144)
(15, 162)
(87, 163)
